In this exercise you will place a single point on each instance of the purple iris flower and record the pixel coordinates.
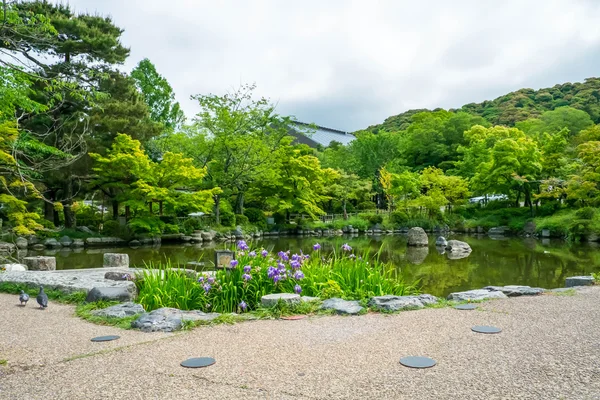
(201, 279)
(247, 268)
(316, 246)
(207, 287)
(264, 253)
(210, 280)
(298, 289)
(298, 275)
(242, 245)
(346, 247)
(246, 277)
(252, 254)
(234, 263)
(295, 257)
(276, 278)
(295, 264)
(272, 271)
(243, 305)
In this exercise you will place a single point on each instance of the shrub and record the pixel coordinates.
(87, 215)
(499, 204)
(358, 223)
(46, 224)
(112, 228)
(151, 226)
(585, 213)
(399, 218)
(547, 208)
(254, 215)
(373, 219)
(227, 218)
(192, 224)
(241, 219)
(171, 228)
(366, 205)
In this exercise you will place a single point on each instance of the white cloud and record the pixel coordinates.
(350, 64)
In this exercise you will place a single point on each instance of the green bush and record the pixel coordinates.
(499, 204)
(227, 218)
(150, 226)
(87, 215)
(171, 228)
(254, 215)
(586, 213)
(358, 223)
(192, 224)
(46, 224)
(112, 228)
(366, 205)
(373, 219)
(241, 219)
(399, 218)
(547, 208)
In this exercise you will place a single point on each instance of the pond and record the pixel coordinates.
(507, 261)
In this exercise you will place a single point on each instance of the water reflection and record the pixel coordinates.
(542, 263)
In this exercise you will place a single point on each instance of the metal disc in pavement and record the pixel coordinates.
(417, 362)
(466, 306)
(486, 329)
(105, 338)
(199, 362)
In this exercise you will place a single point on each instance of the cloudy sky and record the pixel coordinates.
(350, 64)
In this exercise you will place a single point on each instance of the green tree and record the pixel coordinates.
(584, 188)
(350, 187)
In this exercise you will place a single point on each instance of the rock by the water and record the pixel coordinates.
(13, 267)
(478, 294)
(455, 249)
(118, 276)
(78, 243)
(209, 236)
(169, 319)
(40, 263)
(545, 233)
(498, 231)
(52, 243)
(135, 243)
(103, 241)
(66, 241)
(120, 310)
(516, 290)
(441, 242)
(417, 237)
(116, 260)
(341, 306)
(85, 229)
(112, 293)
(7, 248)
(579, 281)
(39, 247)
(396, 303)
(22, 243)
(529, 228)
(238, 233)
(271, 300)
(186, 238)
(428, 299)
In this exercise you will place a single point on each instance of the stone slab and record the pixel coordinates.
(341, 306)
(120, 310)
(475, 295)
(271, 300)
(579, 281)
(169, 319)
(516, 290)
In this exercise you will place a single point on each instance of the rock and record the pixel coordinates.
(52, 243)
(85, 229)
(592, 237)
(103, 241)
(196, 238)
(498, 231)
(478, 294)
(208, 236)
(22, 243)
(7, 248)
(455, 249)
(416, 255)
(271, 300)
(417, 237)
(395, 303)
(428, 299)
(308, 299)
(39, 247)
(66, 241)
(238, 233)
(120, 310)
(515, 290)
(480, 229)
(135, 243)
(341, 306)
(118, 293)
(13, 267)
(579, 281)
(186, 238)
(441, 242)
(169, 319)
(116, 260)
(117, 276)
(529, 227)
(78, 243)
(171, 237)
(545, 233)
(40, 263)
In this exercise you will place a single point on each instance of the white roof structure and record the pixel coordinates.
(315, 135)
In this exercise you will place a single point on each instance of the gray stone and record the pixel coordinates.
(13, 267)
(208, 236)
(78, 243)
(579, 281)
(109, 293)
(186, 238)
(22, 243)
(341, 306)
(428, 299)
(480, 229)
(529, 227)
(135, 243)
(85, 229)
(308, 299)
(592, 237)
(7, 248)
(169, 319)
(238, 233)
(441, 242)
(455, 249)
(39, 247)
(120, 310)
(66, 241)
(115, 260)
(478, 294)
(40, 263)
(417, 237)
(103, 241)
(395, 303)
(52, 243)
(271, 300)
(545, 233)
(498, 231)
(516, 290)
(118, 276)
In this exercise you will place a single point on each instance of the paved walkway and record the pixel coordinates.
(549, 349)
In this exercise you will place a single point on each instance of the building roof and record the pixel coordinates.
(315, 135)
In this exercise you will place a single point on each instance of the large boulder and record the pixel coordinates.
(341, 306)
(85, 229)
(66, 241)
(441, 242)
(78, 243)
(169, 319)
(120, 310)
(579, 281)
(396, 303)
(22, 243)
(52, 243)
(417, 237)
(529, 228)
(208, 236)
(40, 263)
(13, 267)
(115, 260)
(271, 300)
(515, 290)
(7, 248)
(456, 249)
(475, 295)
(238, 233)
(499, 231)
(113, 293)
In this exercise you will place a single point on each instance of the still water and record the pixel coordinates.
(510, 261)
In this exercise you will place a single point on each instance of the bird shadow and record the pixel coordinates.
(21, 305)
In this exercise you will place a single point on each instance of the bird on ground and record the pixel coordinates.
(23, 298)
(42, 298)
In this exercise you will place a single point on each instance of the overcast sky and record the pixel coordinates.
(350, 64)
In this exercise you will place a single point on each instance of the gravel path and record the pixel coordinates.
(549, 349)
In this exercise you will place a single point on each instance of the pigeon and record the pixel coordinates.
(42, 298)
(23, 298)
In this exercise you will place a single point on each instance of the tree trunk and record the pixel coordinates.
(127, 213)
(70, 221)
(217, 209)
(239, 203)
(115, 207)
(344, 208)
(518, 200)
(150, 207)
(49, 211)
(160, 208)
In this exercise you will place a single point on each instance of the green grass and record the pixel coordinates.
(3, 362)
(570, 292)
(53, 294)
(84, 311)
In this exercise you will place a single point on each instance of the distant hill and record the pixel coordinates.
(518, 106)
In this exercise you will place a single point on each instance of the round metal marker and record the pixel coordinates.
(466, 306)
(417, 362)
(486, 329)
(105, 338)
(199, 362)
